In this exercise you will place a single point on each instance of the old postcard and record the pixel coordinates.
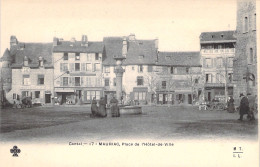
(129, 83)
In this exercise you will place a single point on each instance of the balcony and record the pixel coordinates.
(218, 51)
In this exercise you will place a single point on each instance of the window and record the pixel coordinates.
(163, 84)
(77, 66)
(230, 62)
(230, 77)
(140, 68)
(208, 62)
(77, 57)
(96, 56)
(114, 81)
(196, 81)
(133, 68)
(140, 95)
(208, 78)
(65, 81)
(140, 81)
(77, 81)
(245, 24)
(25, 94)
(37, 94)
(141, 57)
(106, 81)
(107, 69)
(89, 67)
(14, 95)
(251, 56)
(92, 94)
(187, 70)
(26, 79)
(89, 83)
(97, 67)
(40, 79)
(65, 56)
(219, 62)
(98, 81)
(172, 70)
(89, 57)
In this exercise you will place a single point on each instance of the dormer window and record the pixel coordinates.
(212, 36)
(77, 57)
(65, 56)
(41, 61)
(141, 57)
(222, 36)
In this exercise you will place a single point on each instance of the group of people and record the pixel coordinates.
(247, 106)
(100, 111)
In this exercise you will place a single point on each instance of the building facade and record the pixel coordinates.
(77, 70)
(245, 63)
(32, 72)
(217, 55)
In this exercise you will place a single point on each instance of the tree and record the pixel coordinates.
(151, 79)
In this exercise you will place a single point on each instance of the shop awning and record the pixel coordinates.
(140, 89)
(64, 90)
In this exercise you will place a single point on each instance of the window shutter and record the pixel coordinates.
(61, 67)
(93, 67)
(204, 62)
(72, 67)
(150, 68)
(83, 66)
(61, 81)
(72, 81)
(82, 81)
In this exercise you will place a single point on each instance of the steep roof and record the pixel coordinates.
(32, 51)
(113, 47)
(67, 46)
(6, 56)
(179, 59)
(217, 37)
(138, 51)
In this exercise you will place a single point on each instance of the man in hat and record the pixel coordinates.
(244, 106)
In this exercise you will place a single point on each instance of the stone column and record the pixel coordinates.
(119, 76)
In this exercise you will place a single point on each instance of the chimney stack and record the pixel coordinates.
(124, 49)
(13, 41)
(84, 40)
(156, 43)
(25, 61)
(55, 41)
(131, 37)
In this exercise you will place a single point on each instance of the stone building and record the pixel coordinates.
(245, 62)
(217, 54)
(32, 71)
(140, 55)
(179, 77)
(77, 70)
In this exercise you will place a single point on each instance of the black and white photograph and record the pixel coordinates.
(129, 83)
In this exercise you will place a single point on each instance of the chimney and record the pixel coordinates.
(41, 60)
(13, 41)
(55, 41)
(124, 49)
(84, 40)
(131, 37)
(156, 43)
(25, 61)
(72, 41)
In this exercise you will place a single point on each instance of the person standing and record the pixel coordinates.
(252, 105)
(114, 107)
(94, 108)
(102, 108)
(231, 107)
(244, 106)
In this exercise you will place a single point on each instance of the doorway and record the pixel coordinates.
(189, 99)
(209, 96)
(47, 98)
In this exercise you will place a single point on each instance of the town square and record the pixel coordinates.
(82, 74)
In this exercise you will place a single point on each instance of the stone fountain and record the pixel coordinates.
(119, 71)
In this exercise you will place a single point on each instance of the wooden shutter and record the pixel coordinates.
(82, 81)
(61, 81)
(83, 66)
(72, 67)
(61, 67)
(204, 62)
(214, 63)
(72, 81)
(93, 67)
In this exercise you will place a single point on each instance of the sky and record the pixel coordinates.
(176, 23)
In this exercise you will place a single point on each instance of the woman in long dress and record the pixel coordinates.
(102, 108)
(231, 107)
(94, 108)
(114, 107)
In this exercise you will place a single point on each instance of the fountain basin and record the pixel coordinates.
(127, 110)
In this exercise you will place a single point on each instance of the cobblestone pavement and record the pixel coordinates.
(60, 123)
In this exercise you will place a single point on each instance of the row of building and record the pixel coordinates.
(73, 72)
